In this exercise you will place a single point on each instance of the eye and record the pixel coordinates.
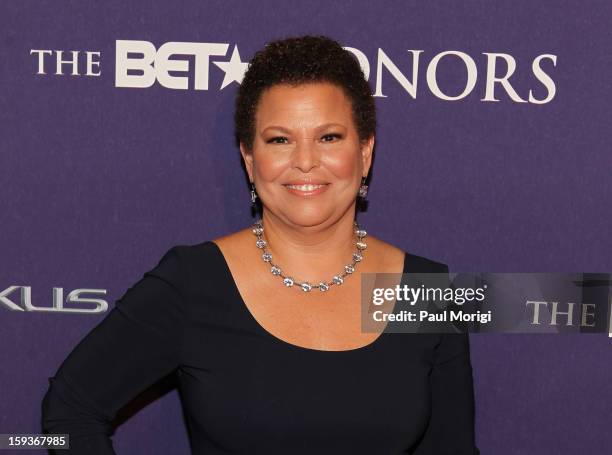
(277, 140)
(331, 137)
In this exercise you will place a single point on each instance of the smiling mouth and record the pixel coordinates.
(306, 187)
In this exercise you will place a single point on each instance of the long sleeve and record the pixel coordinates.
(137, 343)
(451, 424)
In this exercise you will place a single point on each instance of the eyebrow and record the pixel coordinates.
(287, 130)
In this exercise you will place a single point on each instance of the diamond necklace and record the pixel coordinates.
(305, 286)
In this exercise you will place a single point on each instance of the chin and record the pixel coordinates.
(306, 219)
(311, 215)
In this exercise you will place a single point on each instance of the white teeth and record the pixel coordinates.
(308, 187)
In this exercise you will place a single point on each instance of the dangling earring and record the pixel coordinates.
(253, 194)
(363, 189)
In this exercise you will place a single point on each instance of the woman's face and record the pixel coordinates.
(307, 160)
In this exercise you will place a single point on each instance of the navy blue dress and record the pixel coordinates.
(244, 391)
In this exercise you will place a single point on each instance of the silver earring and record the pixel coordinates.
(363, 189)
(253, 193)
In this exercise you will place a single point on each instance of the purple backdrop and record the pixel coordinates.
(98, 180)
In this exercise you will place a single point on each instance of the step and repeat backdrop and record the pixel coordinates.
(493, 154)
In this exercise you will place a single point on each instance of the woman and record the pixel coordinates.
(263, 325)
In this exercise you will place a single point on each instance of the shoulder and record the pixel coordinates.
(185, 265)
(198, 271)
(207, 258)
(185, 256)
(422, 264)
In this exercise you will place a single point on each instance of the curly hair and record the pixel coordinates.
(301, 60)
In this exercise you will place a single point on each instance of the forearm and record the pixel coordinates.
(65, 411)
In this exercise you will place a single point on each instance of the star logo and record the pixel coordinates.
(234, 69)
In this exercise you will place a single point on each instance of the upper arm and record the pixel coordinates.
(451, 424)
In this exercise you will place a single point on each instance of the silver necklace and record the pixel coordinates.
(305, 286)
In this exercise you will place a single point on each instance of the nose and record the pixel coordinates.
(305, 155)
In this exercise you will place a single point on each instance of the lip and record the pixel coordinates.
(310, 192)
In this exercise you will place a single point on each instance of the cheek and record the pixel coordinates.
(343, 165)
(269, 167)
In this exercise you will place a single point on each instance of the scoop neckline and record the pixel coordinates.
(268, 335)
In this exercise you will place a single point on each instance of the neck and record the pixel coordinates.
(311, 252)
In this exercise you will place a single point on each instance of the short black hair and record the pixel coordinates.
(301, 60)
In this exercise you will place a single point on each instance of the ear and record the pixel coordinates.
(247, 156)
(367, 150)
